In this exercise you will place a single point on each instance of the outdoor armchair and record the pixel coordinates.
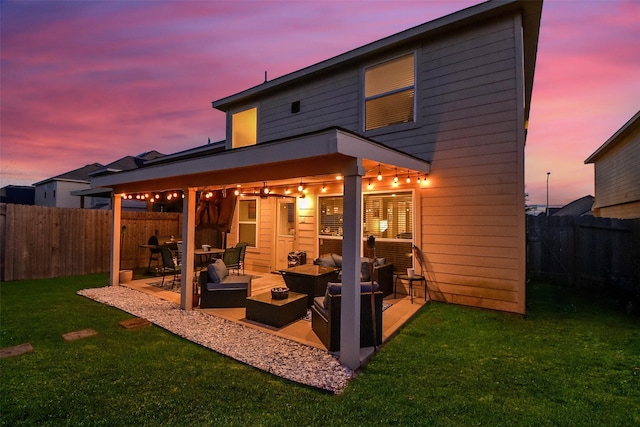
(325, 316)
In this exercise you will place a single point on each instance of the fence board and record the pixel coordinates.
(588, 252)
(40, 242)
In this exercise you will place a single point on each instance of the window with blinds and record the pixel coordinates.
(386, 216)
(389, 90)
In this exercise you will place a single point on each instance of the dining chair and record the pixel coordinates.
(242, 245)
(168, 265)
(231, 258)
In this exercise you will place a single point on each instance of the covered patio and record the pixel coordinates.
(313, 160)
(399, 311)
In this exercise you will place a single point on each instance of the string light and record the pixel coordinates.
(369, 185)
(300, 187)
(379, 173)
(324, 189)
(395, 179)
(408, 177)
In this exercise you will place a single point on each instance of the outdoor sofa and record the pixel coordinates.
(325, 316)
(383, 271)
(218, 289)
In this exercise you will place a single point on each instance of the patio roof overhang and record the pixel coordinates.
(316, 156)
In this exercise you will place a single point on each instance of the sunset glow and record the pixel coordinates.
(86, 82)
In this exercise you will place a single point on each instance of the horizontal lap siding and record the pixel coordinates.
(470, 218)
(471, 228)
(617, 177)
(326, 102)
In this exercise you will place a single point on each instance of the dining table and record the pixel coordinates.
(206, 255)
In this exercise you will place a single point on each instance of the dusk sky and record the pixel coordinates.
(93, 81)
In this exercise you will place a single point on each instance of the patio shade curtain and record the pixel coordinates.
(216, 210)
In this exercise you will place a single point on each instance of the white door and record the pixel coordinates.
(285, 231)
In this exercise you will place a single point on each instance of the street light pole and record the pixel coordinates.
(548, 173)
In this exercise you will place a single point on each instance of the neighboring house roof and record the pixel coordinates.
(129, 162)
(531, 11)
(615, 139)
(580, 207)
(203, 150)
(82, 174)
(124, 164)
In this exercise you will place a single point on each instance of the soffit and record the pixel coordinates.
(316, 157)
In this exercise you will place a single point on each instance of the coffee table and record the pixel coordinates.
(276, 312)
(309, 279)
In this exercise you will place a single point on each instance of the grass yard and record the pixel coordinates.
(574, 360)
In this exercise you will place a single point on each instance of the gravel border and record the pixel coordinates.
(279, 356)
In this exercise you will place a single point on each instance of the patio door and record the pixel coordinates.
(285, 231)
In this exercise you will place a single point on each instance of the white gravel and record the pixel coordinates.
(276, 355)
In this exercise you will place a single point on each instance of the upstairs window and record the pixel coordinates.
(244, 128)
(389, 90)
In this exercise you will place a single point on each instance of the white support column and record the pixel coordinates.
(351, 250)
(188, 244)
(116, 223)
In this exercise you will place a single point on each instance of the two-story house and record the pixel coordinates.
(417, 139)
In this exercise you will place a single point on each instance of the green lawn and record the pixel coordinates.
(574, 360)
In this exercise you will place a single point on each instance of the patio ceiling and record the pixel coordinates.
(314, 158)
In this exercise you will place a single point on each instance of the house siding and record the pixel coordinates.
(471, 224)
(470, 125)
(617, 180)
(324, 102)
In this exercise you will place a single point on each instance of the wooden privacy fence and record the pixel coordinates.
(41, 242)
(584, 252)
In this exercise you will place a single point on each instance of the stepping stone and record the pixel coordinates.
(134, 323)
(16, 350)
(76, 335)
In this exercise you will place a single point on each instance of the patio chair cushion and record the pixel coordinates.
(325, 261)
(336, 289)
(227, 286)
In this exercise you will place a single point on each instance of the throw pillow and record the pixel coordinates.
(221, 269)
(337, 260)
(332, 289)
(213, 275)
(325, 261)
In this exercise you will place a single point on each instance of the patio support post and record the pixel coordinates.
(188, 245)
(351, 250)
(116, 215)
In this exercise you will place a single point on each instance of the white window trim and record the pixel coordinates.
(364, 99)
(257, 220)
